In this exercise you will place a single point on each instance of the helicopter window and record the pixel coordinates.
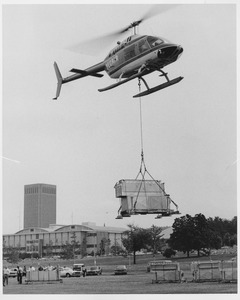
(153, 41)
(143, 46)
(129, 52)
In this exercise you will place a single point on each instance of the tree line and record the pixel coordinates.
(196, 233)
(189, 233)
(202, 234)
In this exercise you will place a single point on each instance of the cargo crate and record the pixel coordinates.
(129, 187)
(143, 197)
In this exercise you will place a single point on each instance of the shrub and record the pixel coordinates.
(169, 252)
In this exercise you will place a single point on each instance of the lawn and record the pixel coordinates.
(137, 281)
(122, 284)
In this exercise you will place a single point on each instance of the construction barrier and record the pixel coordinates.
(229, 271)
(43, 276)
(165, 272)
(206, 271)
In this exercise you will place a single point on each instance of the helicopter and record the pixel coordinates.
(134, 57)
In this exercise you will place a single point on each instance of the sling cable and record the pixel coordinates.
(141, 196)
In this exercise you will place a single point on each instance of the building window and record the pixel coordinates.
(91, 246)
(91, 234)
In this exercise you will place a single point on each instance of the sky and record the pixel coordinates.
(86, 141)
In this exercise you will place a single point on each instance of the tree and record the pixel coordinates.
(233, 240)
(155, 238)
(195, 233)
(225, 229)
(117, 249)
(227, 239)
(83, 247)
(169, 252)
(135, 239)
(49, 248)
(67, 251)
(70, 249)
(13, 254)
(104, 246)
(182, 237)
(215, 240)
(202, 232)
(75, 244)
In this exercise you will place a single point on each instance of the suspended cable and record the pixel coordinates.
(143, 169)
(140, 108)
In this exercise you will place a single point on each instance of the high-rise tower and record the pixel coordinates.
(39, 205)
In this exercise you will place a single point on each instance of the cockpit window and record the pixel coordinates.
(154, 41)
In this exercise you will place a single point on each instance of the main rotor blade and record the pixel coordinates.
(152, 12)
(96, 45)
(157, 9)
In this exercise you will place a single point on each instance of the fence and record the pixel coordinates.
(229, 270)
(43, 276)
(165, 272)
(214, 271)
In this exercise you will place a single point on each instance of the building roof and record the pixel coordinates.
(85, 226)
(104, 228)
(108, 229)
(33, 229)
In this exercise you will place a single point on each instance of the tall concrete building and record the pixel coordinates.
(39, 205)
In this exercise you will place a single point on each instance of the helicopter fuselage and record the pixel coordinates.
(136, 56)
(140, 50)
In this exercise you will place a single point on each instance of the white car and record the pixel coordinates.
(12, 272)
(77, 270)
(66, 272)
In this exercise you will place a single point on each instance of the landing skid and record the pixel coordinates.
(158, 87)
(123, 81)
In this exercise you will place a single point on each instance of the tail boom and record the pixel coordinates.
(92, 71)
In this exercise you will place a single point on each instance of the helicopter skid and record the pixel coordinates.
(159, 87)
(123, 81)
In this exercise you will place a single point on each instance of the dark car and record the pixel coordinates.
(120, 270)
(94, 271)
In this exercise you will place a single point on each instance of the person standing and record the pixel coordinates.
(19, 275)
(84, 271)
(5, 275)
(24, 271)
(3, 278)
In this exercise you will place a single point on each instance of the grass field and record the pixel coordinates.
(138, 281)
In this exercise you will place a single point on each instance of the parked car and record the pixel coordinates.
(78, 270)
(12, 272)
(120, 270)
(66, 272)
(95, 270)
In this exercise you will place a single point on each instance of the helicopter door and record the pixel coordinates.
(143, 46)
(130, 52)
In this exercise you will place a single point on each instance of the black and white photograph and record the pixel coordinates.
(119, 148)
